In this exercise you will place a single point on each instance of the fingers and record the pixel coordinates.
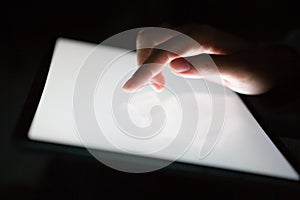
(159, 57)
(202, 66)
(180, 65)
(140, 78)
(190, 60)
(183, 68)
(149, 39)
(151, 68)
(155, 50)
(158, 82)
(233, 71)
(146, 41)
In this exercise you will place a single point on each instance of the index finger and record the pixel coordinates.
(147, 40)
(153, 65)
(160, 56)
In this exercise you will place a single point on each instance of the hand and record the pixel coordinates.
(243, 66)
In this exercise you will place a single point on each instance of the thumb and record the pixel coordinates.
(240, 72)
(203, 66)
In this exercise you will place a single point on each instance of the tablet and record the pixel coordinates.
(242, 145)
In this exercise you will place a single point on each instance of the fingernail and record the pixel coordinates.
(182, 65)
(156, 87)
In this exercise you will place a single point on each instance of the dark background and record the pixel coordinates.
(26, 31)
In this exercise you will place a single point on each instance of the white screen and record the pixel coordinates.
(243, 145)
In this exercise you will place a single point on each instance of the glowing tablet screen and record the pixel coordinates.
(242, 145)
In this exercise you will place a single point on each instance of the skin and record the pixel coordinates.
(244, 67)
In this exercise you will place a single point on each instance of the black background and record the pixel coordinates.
(26, 31)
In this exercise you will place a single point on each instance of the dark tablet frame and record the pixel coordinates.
(20, 136)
